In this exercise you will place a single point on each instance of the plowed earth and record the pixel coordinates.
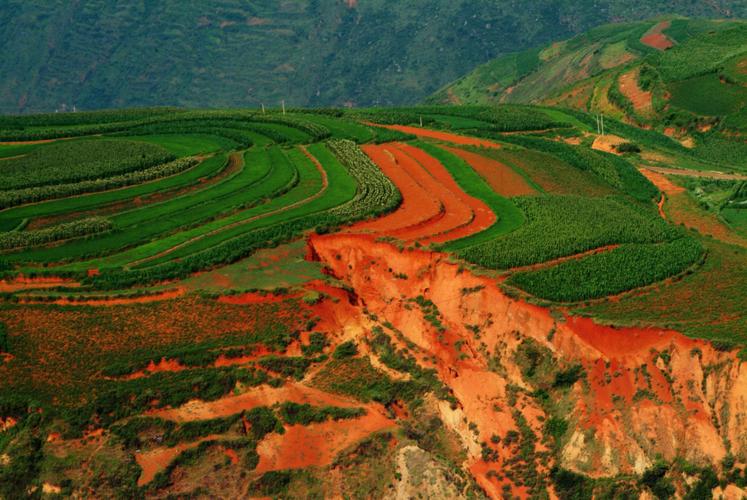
(434, 208)
(442, 136)
(502, 178)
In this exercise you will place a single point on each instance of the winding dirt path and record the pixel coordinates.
(325, 185)
(441, 135)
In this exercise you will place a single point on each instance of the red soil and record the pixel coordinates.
(613, 359)
(84, 301)
(642, 100)
(418, 206)
(656, 39)
(441, 136)
(259, 396)
(434, 208)
(660, 181)
(315, 444)
(254, 298)
(464, 215)
(154, 461)
(502, 178)
(23, 283)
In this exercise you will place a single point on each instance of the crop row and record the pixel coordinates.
(376, 192)
(326, 207)
(76, 229)
(35, 194)
(624, 268)
(509, 217)
(497, 118)
(75, 161)
(194, 173)
(280, 228)
(249, 185)
(558, 226)
(226, 119)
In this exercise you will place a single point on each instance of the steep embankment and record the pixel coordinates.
(627, 395)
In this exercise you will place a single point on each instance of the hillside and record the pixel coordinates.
(687, 78)
(441, 301)
(97, 54)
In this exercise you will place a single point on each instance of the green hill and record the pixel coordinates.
(679, 72)
(237, 53)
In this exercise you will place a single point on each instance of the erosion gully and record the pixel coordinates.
(644, 392)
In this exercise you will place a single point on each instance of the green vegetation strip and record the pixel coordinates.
(189, 175)
(624, 268)
(559, 226)
(75, 161)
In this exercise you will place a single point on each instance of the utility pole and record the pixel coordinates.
(421, 121)
(602, 125)
(599, 130)
(283, 103)
(263, 108)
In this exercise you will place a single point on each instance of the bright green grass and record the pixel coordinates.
(342, 128)
(12, 217)
(706, 95)
(269, 268)
(342, 188)
(250, 185)
(185, 145)
(278, 132)
(509, 216)
(737, 219)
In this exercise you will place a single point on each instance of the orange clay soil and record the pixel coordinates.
(620, 419)
(315, 444)
(419, 207)
(607, 143)
(109, 301)
(23, 283)
(154, 461)
(173, 365)
(441, 135)
(641, 99)
(681, 208)
(259, 396)
(656, 38)
(502, 178)
(473, 215)
(434, 208)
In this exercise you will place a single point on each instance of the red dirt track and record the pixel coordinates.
(442, 136)
(434, 207)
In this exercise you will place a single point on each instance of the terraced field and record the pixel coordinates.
(275, 301)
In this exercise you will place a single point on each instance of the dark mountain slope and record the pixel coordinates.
(104, 53)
